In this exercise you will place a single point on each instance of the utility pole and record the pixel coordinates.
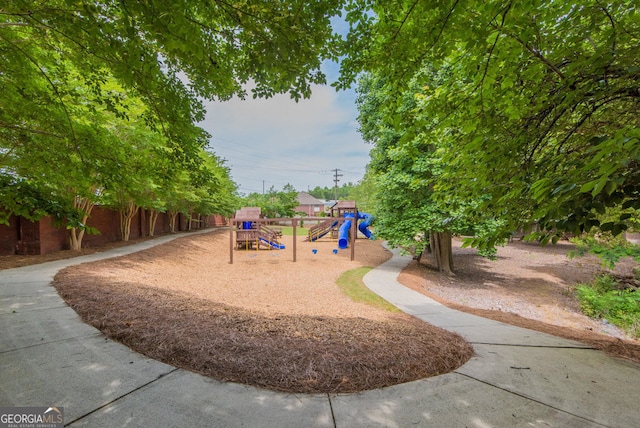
(336, 179)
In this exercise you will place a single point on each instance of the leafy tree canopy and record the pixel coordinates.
(274, 203)
(531, 106)
(100, 99)
(329, 193)
(152, 48)
(405, 164)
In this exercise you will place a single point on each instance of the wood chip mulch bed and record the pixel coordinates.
(308, 354)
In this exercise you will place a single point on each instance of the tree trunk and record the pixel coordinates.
(153, 218)
(427, 248)
(126, 215)
(440, 243)
(190, 221)
(75, 237)
(76, 234)
(172, 220)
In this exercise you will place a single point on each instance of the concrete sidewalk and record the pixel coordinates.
(518, 377)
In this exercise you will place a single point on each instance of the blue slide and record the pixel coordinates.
(272, 244)
(343, 233)
(364, 225)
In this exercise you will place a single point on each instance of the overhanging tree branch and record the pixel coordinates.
(49, 81)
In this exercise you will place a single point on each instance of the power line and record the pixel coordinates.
(283, 169)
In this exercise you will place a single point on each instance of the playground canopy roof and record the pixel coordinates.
(248, 213)
(341, 207)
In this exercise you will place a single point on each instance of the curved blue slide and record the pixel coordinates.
(364, 225)
(343, 233)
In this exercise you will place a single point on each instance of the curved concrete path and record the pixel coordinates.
(519, 378)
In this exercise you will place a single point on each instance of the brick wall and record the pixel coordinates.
(9, 236)
(53, 236)
(41, 237)
(28, 237)
(107, 222)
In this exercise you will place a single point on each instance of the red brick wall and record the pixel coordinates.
(53, 236)
(162, 224)
(9, 236)
(310, 210)
(107, 222)
(217, 220)
(26, 237)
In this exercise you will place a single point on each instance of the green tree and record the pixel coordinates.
(218, 192)
(134, 181)
(364, 193)
(537, 114)
(71, 69)
(324, 193)
(405, 165)
(274, 203)
(329, 193)
(147, 47)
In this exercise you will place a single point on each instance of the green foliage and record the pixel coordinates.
(100, 99)
(405, 168)
(27, 199)
(610, 249)
(530, 107)
(605, 298)
(365, 194)
(351, 284)
(274, 203)
(329, 193)
(484, 240)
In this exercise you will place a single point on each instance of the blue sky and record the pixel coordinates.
(277, 141)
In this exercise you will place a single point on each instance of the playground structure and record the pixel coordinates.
(252, 234)
(249, 229)
(340, 230)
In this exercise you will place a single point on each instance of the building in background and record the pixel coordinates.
(309, 205)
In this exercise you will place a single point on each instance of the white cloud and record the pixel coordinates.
(279, 141)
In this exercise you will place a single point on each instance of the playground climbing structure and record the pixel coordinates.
(322, 229)
(251, 234)
(341, 229)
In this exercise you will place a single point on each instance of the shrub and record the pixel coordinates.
(606, 298)
(610, 249)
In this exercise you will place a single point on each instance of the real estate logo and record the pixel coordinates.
(31, 417)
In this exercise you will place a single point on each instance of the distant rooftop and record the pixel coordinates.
(305, 198)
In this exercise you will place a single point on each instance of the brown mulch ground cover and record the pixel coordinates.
(292, 353)
(263, 321)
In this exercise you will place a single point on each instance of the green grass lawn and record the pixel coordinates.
(352, 285)
(288, 230)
